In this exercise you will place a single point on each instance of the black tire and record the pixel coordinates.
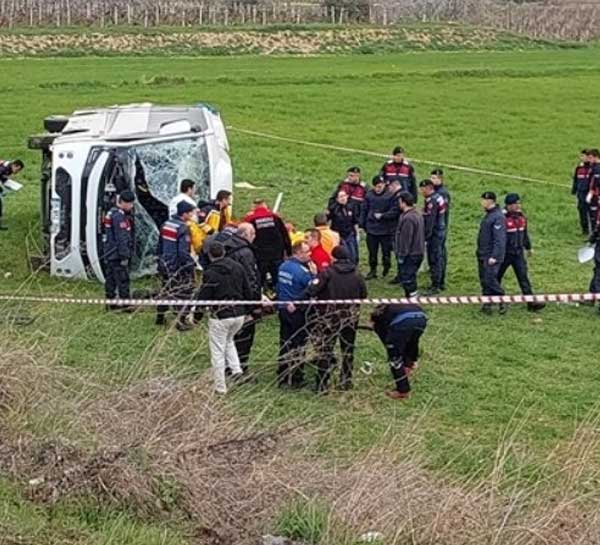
(55, 123)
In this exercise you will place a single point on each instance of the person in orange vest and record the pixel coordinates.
(329, 238)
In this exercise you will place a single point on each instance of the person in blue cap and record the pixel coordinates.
(176, 265)
(517, 243)
(118, 249)
(491, 248)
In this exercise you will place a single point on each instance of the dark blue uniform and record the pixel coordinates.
(175, 265)
(118, 251)
(434, 212)
(491, 243)
(517, 241)
(400, 327)
(379, 231)
(292, 285)
(595, 239)
(402, 172)
(443, 191)
(581, 188)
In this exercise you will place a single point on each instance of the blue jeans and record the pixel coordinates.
(351, 244)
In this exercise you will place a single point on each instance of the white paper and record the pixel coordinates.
(585, 254)
(12, 185)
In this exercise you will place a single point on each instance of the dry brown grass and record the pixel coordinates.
(165, 448)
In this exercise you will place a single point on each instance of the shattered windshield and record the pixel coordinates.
(158, 169)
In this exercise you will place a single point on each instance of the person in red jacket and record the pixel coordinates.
(272, 241)
(318, 254)
(354, 188)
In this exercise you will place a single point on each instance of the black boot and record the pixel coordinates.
(385, 271)
(486, 308)
(535, 307)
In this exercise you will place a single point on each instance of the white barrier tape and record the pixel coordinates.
(422, 300)
(471, 170)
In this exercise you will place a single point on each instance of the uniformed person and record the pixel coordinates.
(295, 275)
(176, 265)
(491, 249)
(517, 242)
(593, 198)
(400, 328)
(434, 212)
(580, 188)
(595, 239)
(398, 168)
(119, 241)
(437, 177)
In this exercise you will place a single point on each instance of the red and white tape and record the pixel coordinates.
(422, 300)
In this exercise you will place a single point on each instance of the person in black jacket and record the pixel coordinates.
(517, 242)
(580, 188)
(344, 221)
(332, 322)
(437, 177)
(272, 241)
(434, 212)
(377, 220)
(400, 327)
(119, 241)
(491, 249)
(239, 248)
(7, 169)
(224, 280)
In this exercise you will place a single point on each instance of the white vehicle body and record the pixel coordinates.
(142, 147)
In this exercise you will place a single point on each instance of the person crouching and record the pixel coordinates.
(400, 327)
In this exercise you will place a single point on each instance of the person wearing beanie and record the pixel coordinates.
(119, 240)
(491, 249)
(398, 168)
(341, 280)
(176, 265)
(517, 243)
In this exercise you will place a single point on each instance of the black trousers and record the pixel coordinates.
(408, 269)
(270, 266)
(488, 278)
(444, 261)
(176, 286)
(1, 206)
(402, 344)
(435, 260)
(585, 214)
(595, 283)
(374, 242)
(293, 334)
(244, 339)
(116, 280)
(326, 329)
(519, 265)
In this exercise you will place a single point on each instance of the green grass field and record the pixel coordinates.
(532, 377)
